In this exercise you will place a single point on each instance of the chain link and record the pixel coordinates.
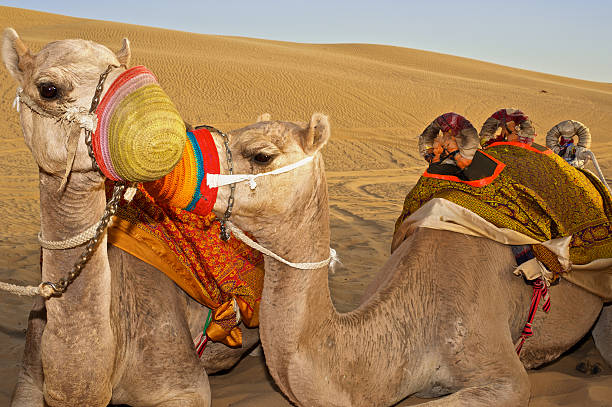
(96, 98)
(90, 151)
(111, 208)
(95, 101)
(224, 232)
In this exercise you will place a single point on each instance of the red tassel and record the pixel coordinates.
(540, 292)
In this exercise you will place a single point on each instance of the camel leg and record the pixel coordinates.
(602, 333)
(481, 368)
(28, 390)
(158, 361)
(508, 387)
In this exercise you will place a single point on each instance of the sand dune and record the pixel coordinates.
(379, 98)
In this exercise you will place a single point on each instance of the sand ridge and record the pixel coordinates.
(378, 98)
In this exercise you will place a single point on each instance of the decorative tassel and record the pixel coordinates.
(540, 292)
(17, 100)
(202, 339)
(200, 343)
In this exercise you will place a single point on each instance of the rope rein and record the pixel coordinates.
(70, 242)
(47, 289)
(331, 260)
(540, 293)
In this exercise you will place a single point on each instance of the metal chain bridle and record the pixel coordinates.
(224, 233)
(95, 101)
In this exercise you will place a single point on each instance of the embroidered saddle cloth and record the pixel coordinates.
(226, 277)
(520, 194)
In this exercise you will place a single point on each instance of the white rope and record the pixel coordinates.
(331, 260)
(73, 114)
(218, 180)
(600, 175)
(81, 115)
(43, 289)
(71, 242)
(85, 235)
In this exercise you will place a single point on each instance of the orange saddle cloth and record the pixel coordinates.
(226, 277)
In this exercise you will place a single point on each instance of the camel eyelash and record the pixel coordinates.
(250, 153)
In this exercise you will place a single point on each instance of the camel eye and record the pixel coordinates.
(262, 159)
(47, 91)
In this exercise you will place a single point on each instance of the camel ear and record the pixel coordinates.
(15, 54)
(124, 54)
(264, 117)
(316, 134)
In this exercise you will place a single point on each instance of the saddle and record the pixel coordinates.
(532, 192)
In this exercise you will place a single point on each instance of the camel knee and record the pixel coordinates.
(501, 392)
(196, 399)
(27, 393)
(521, 388)
(509, 391)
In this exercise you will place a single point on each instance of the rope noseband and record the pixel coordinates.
(218, 180)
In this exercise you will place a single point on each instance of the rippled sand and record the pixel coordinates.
(379, 98)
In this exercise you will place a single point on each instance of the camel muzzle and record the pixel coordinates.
(140, 135)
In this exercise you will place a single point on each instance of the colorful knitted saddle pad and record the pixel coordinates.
(226, 277)
(528, 189)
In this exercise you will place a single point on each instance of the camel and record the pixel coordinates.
(440, 319)
(122, 332)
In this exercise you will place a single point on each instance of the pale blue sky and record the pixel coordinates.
(569, 38)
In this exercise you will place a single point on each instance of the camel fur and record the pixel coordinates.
(122, 332)
(440, 319)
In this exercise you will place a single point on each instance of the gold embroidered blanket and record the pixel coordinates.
(532, 191)
(226, 277)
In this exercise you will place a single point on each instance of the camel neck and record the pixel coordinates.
(63, 215)
(80, 318)
(69, 212)
(301, 331)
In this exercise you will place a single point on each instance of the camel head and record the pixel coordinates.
(267, 146)
(56, 88)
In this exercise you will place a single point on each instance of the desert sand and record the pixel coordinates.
(378, 98)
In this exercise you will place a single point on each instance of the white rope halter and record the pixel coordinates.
(219, 180)
(73, 114)
(331, 260)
